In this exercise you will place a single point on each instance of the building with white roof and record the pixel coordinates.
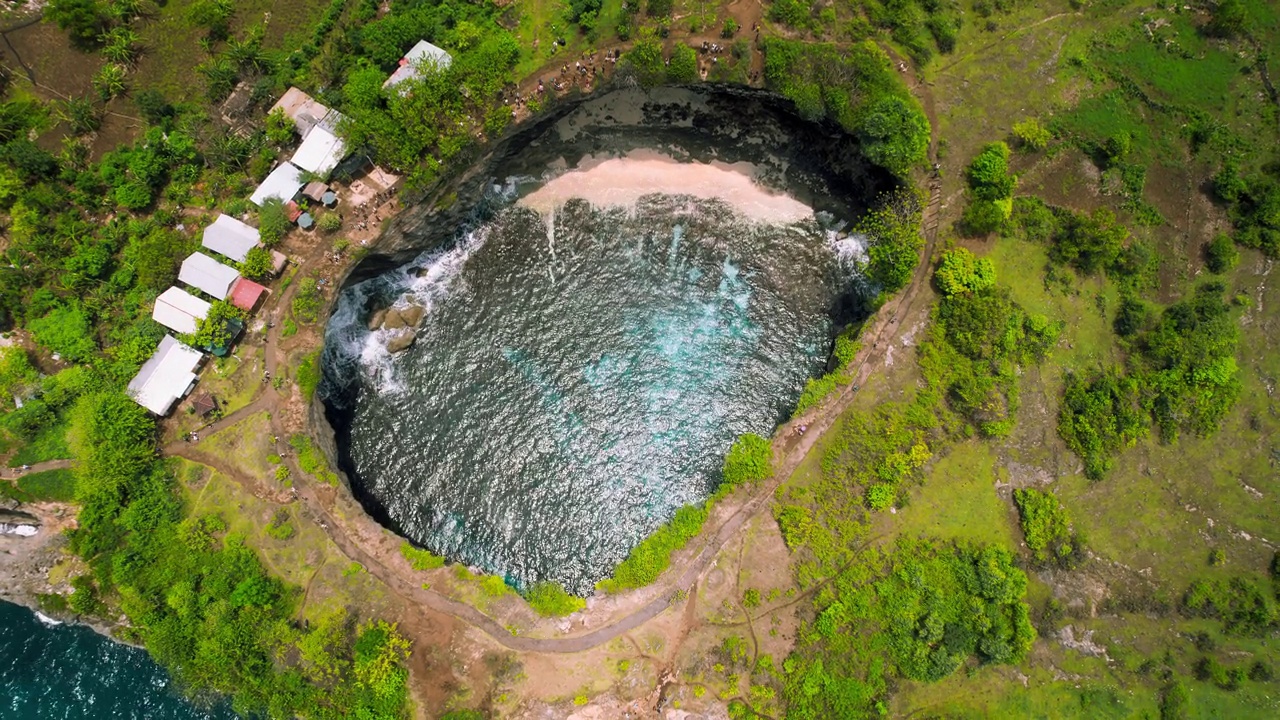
(180, 311)
(420, 55)
(284, 182)
(166, 377)
(230, 238)
(208, 275)
(321, 150)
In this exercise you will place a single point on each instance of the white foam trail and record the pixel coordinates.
(849, 249)
(47, 620)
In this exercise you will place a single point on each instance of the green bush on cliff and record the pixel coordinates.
(647, 560)
(750, 459)
(549, 599)
(419, 558)
(856, 87)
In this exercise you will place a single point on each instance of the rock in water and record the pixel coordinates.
(394, 320)
(375, 320)
(412, 315)
(401, 340)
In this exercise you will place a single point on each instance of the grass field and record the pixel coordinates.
(49, 444)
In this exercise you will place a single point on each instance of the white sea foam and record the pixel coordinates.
(45, 619)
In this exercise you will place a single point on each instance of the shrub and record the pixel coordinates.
(962, 272)
(549, 599)
(280, 128)
(307, 301)
(1031, 135)
(991, 190)
(419, 558)
(1099, 417)
(894, 240)
(1175, 702)
(647, 560)
(65, 330)
(1046, 526)
(329, 222)
(309, 374)
(750, 459)
(683, 66)
(1220, 254)
(1243, 605)
(273, 222)
(645, 60)
(493, 586)
(50, 485)
(257, 264)
(280, 528)
(730, 28)
(880, 496)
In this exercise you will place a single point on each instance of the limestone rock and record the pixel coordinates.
(412, 315)
(375, 320)
(401, 340)
(394, 320)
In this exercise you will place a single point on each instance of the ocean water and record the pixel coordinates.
(579, 375)
(68, 672)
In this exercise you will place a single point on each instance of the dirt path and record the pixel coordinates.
(37, 468)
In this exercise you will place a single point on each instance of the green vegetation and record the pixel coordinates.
(197, 595)
(1101, 416)
(976, 346)
(280, 528)
(1046, 526)
(820, 388)
(856, 87)
(991, 188)
(549, 599)
(919, 611)
(893, 240)
(419, 558)
(647, 560)
(1244, 605)
(309, 374)
(215, 331)
(311, 460)
(49, 485)
(749, 460)
(961, 272)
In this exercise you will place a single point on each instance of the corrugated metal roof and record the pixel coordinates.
(165, 377)
(179, 310)
(283, 182)
(423, 52)
(321, 151)
(207, 275)
(246, 293)
(230, 237)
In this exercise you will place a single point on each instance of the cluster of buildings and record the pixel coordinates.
(170, 373)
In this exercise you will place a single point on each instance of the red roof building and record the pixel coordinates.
(246, 293)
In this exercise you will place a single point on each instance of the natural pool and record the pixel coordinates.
(588, 350)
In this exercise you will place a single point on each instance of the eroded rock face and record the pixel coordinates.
(817, 163)
(17, 522)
